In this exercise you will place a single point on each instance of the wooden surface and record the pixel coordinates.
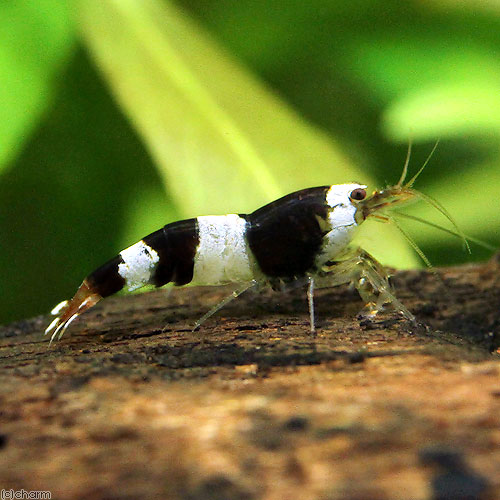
(131, 404)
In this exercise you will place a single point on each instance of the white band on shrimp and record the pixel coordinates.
(139, 263)
(342, 220)
(222, 255)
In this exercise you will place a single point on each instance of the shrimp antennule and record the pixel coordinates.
(405, 168)
(410, 183)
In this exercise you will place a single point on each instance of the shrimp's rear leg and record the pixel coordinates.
(369, 277)
(375, 289)
(236, 293)
(310, 301)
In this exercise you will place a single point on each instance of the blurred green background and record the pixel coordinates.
(119, 116)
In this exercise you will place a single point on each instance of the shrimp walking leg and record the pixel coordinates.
(368, 276)
(236, 293)
(310, 301)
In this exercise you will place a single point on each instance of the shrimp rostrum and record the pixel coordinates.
(304, 237)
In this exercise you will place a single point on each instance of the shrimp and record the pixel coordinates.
(303, 237)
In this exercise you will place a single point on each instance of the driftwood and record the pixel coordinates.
(131, 404)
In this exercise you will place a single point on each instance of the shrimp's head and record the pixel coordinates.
(382, 202)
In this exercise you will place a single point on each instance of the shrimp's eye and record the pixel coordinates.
(358, 194)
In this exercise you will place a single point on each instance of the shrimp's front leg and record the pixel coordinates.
(368, 276)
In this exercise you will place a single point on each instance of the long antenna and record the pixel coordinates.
(445, 212)
(446, 230)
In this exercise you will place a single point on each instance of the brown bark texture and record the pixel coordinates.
(132, 404)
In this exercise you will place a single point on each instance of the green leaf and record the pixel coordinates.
(36, 37)
(431, 84)
(445, 110)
